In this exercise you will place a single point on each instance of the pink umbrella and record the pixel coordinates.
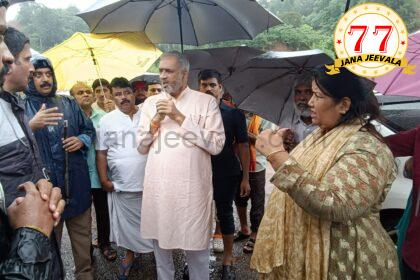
(396, 83)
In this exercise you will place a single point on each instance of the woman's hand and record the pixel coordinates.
(269, 141)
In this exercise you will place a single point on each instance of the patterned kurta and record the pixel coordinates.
(178, 190)
(349, 196)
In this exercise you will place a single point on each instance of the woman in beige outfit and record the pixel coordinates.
(322, 220)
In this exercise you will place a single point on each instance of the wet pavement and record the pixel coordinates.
(146, 269)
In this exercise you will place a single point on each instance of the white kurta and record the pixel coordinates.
(178, 191)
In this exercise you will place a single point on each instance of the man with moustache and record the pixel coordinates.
(227, 173)
(121, 172)
(21, 141)
(302, 122)
(153, 88)
(179, 130)
(40, 96)
(140, 91)
(102, 91)
(26, 250)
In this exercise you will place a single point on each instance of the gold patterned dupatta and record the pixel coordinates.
(292, 244)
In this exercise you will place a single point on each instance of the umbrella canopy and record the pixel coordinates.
(146, 77)
(189, 22)
(225, 60)
(86, 57)
(19, 1)
(397, 83)
(264, 84)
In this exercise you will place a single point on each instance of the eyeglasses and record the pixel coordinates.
(156, 90)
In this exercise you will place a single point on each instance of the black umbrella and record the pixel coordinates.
(190, 22)
(147, 78)
(264, 84)
(19, 1)
(225, 60)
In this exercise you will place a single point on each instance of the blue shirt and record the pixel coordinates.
(95, 183)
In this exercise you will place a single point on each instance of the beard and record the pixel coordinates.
(173, 87)
(302, 109)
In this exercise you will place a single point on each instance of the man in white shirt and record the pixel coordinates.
(121, 172)
(302, 122)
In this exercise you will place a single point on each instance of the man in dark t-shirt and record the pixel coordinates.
(227, 172)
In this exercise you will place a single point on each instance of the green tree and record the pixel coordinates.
(326, 13)
(311, 24)
(47, 27)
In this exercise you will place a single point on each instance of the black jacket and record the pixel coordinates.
(19, 158)
(20, 162)
(26, 255)
(78, 196)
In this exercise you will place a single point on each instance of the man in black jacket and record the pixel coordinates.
(20, 161)
(25, 248)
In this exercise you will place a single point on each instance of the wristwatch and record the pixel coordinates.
(4, 3)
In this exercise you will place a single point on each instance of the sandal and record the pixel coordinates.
(109, 253)
(249, 246)
(241, 236)
(124, 271)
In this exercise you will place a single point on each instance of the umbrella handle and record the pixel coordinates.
(180, 24)
(66, 165)
(347, 6)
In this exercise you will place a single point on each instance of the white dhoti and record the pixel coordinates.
(124, 221)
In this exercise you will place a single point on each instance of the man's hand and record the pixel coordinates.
(45, 117)
(167, 107)
(72, 144)
(31, 211)
(108, 186)
(245, 188)
(51, 195)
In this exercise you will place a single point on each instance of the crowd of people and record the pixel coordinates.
(157, 160)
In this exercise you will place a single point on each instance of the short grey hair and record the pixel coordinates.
(182, 59)
(303, 79)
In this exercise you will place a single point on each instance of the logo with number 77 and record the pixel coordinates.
(370, 40)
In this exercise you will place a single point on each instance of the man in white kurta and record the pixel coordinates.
(187, 129)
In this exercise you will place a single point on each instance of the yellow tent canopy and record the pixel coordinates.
(86, 57)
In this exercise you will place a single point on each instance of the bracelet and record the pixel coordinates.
(37, 229)
(275, 152)
(154, 124)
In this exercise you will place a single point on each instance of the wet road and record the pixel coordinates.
(105, 270)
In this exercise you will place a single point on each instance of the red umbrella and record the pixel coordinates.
(397, 83)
